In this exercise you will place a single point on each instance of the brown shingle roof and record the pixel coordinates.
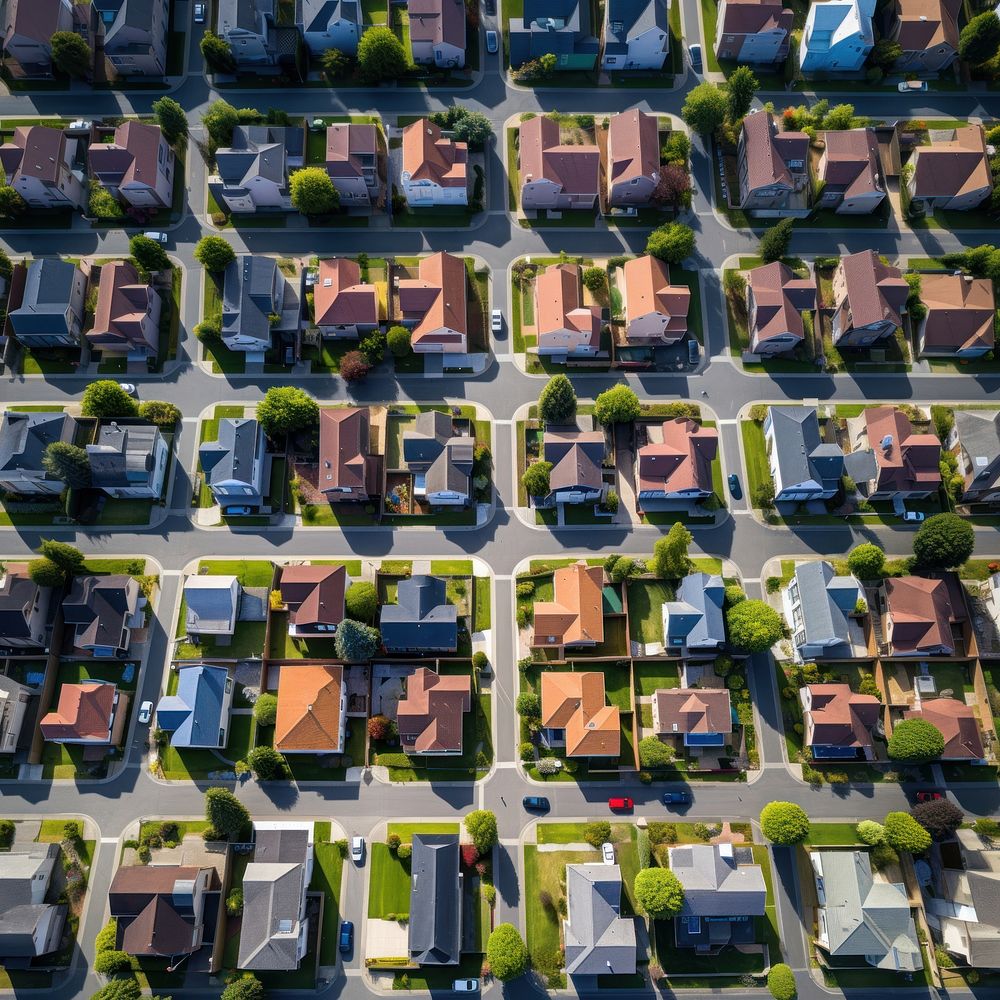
(647, 289)
(83, 713)
(922, 613)
(910, 461)
(780, 298)
(340, 297)
(430, 717)
(575, 169)
(438, 297)
(309, 708)
(875, 291)
(159, 930)
(437, 21)
(926, 24)
(768, 151)
(960, 311)
(575, 702)
(123, 302)
(36, 151)
(953, 167)
(344, 458)
(428, 156)
(748, 17)
(682, 461)
(957, 724)
(576, 611)
(633, 146)
(345, 143)
(558, 303)
(314, 594)
(576, 457)
(840, 717)
(852, 162)
(693, 710)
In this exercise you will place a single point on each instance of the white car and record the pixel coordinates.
(145, 711)
(127, 387)
(465, 985)
(156, 237)
(80, 123)
(199, 13)
(608, 853)
(914, 515)
(905, 86)
(357, 849)
(497, 321)
(492, 41)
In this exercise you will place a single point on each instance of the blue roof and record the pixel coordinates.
(696, 615)
(194, 714)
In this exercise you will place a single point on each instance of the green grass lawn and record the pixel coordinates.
(246, 642)
(327, 876)
(645, 609)
(406, 831)
(653, 676)
(182, 764)
(451, 567)
(250, 572)
(389, 884)
(755, 456)
(482, 617)
(832, 834)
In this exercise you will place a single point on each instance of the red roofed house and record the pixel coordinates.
(437, 32)
(435, 170)
(953, 172)
(565, 326)
(431, 715)
(352, 163)
(127, 317)
(956, 722)
(869, 299)
(924, 617)
(575, 615)
(753, 31)
(312, 708)
(776, 299)
(773, 168)
(138, 166)
(347, 469)
(960, 316)
(344, 307)
(655, 310)
(434, 305)
(552, 175)
(838, 721)
(927, 32)
(633, 158)
(314, 596)
(905, 464)
(38, 165)
(679, 465)
(851, 172)
(575, 714)
(91, 713)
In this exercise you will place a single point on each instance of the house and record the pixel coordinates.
(927, 32)
(249, 28)
(344, 306)
(776, 300)
(692, 622)
(975, 441)
(636, 35)
(838, 722)
(159, 910)
(29, 927)
(773, 168)
(431, 717)
(575, 714)
(802, 465)
(724, 893)
(24, 436)
(633, 169)
(14, 699)
(40, 164)
(352, 153)
(960, 317)
(566, 328)
(434, 306)
(421, 621)
(347, 469)
(440, 460)
(254, 291)
(127, 318)
(889, 460)
(436, 900)
(314, 596)
(818, 604)
(46, 304)
(197, 716)
(560, 27)
(251, 174)
(211, 605)
(598, 939)
(554, 175)
(924, 617)
(575, 615)
(134, 35)
(655, 311)
(957, 723)
(860, 916)
(837, 37)
(435, 170)
(236, 464)
(693, 717)
(679, 465)
(312, 709)
(104, 611)
(851, 172)
(869, 299)
(576, 458)
(138, 167)
(28, 27)
(437, 33)
(953, 172)
(330, 24)
(129, 461)
(274, 932)
(92, 713)
(753, 31)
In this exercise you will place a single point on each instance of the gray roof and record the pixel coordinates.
(18, 593)
(18, 928)
(316, 15)
(801, 454)
(258, 151)
(535, 34)
(48, 290)
(247, 296)
(628, 19)
(25, 436)
(697, 611)
(422, 618)
(433, 448)
(435, 900)
(979, 433)
(229, 459)
(826, 600)
(245, 14)
(598, 939)
(210, 602)
(715, 884)
(19, 917)
(124, 455)
(136, 14)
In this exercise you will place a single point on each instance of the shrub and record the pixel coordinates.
(939, 818)
(943, 542)
(653, 752)
(112, 963)
(489, 892)
(481, 825)
(265, 709)
(871, 833)
(234, 902)
(597, 833)
(557, 400)
(73, 831)
(915, 741)
(379, 727)
(784, 823)
(529, 705)
(781, 982)
(393, 841)
(266, 763)
(883, 855)
(526, 751)
(659, 892)
(904, 833)
(404, 851)
(754, 626)
(548, 765)
(506, 953)
(734, 595)
(662, 833)
(479, 661)
(361, 601)
(866, 561)
(226, 815)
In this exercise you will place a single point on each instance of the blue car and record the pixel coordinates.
(734, 485)
(536, 802)
(346, 937)
(681, 798)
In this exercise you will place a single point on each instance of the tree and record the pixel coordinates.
(265, 709)
(225, 813)
(361, 601)
(157, 411)
(673, 186)
(940, 818)
(45, 573)
(595, 279)
(336, 64)
(904, 833)
(784, 823)
(67, 557)
(381, 56)
(742, 87)
(148, 254)
(473, 127)
(219, 121)
(653, 752)
(107, 400)
(214, 253)
(781, 982)
(885, 53)
(671, 243)
(915, 741)
(286, 409)
(617, 405)
(978, 42)
(557, 401)
(355, 641)
(529, 706)
(206, 330)
(705, 108)
(870, 833)
(774, 243)
(670, 553)
(67, 462)
(506, 953)
(102, 204)
(354, 367)
(754, 626)
(313, 192)
(247, 987)
(171, 118)
(71, 55)
(659, 892)
(266, 763)
(535, 479)
(866, 561)
(11, 202)
(481, 825)
(119, 989)
(763, 494)
(398, 339)
(944, 541)
(379, 727)
(217, 52)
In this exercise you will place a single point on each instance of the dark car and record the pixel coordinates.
(694, 51)
(929, 796)
(539, 803)
(346, 937)
(681, 798)
(734, 485)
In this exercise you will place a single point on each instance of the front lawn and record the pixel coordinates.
(654, 676)
(250, 572)
(328, 871)
(755, 456)
(388, 885)
(645, 609)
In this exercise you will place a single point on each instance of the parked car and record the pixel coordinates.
(357, 849)
(693, 352)
(465, 985)
(620, 804)
(694, 52)
(929, 796)
(128, 387)
(681, 798)
(199, 13)
(236, 511)
(346, 937)
(914, 515)
(608, 853)
(537, 803)
(492, 42)
(145, 711)
(907, 85)
(156, 237)
(496, 323)
(734, 485)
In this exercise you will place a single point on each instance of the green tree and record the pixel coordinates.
(11, 202)
(481, 825)
(361, 601)
(67, 557)
(754, 626)
(595, 279)
(705, 109)
(67, 462)
(214, 253)
(106, 936)
(398, 339)
(225, 813)
(217, 52)
(653, 752)
(266, 763)
(977, 43)
(617, 405)
(742, 87)
(915, 741)
(119, 989)
(839, 118)
(871, 833)
(866, 561)
(157, 411)
(885, 53)
(336, 64)
(45, 573)
(557, 400)
(313, 192)
(506, 953)
(670, 553)
(71, 55)
(107, 400)
(112, 963)
(904, 833)
(529, 705)
(247, 987)
(775, 241)
(381, 55)
(102, 204)
(659, 892)
(940, 818)
(265, 709)
(286, 409)
(171, 118)
(535, 479)
(474, 128)
(784, 823)
(355, 641)
(219, 121)
(781, 982)
(148, 254)
(944, 541)
(671, 243)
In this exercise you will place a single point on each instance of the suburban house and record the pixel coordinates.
(773, 168)
(851, 172)
(560, 27)
(927, 32)
(776, 300)
(46, 304)
(862, 917)
(134, 35)
(436, 900)
(347, 469)
(14, 699)
(566, 328)
(957, 723)
(975, 440)
(724, 893)
(889, 460)
(598, 939)
(254, 291)
(818, 604)
(127, 318)
(692, 622)
(274, 932)
(693, 717)
(236, 464)
(211, 605)
(29, 926)
(198, 714)
(251, 174)
(679, 465)
(104, 610)
(575, 714)
(312, 709)
(576, 458)
(575, 615)
(249, 28)
(553, 175)
(330, 24)
(92, 713)
(421, 620)
(655, 311)
(28, 27)
(434, 306)
(352, 160)
(138, 167)
(953, 172)
(435, 170)
(960, 316)
(440, 460)
(314, 596)
(633, 155)
(838, 36)
(869, 299)
(39, 164)
(924, 617)
(129, 461)
(344, 306)
(636, 35)
(437, 33)
(431, 715)
(838, 722)
(753, 31)
(24, 436)
(802, 465)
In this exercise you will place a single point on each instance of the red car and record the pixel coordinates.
(619, 805)
(929, 796)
